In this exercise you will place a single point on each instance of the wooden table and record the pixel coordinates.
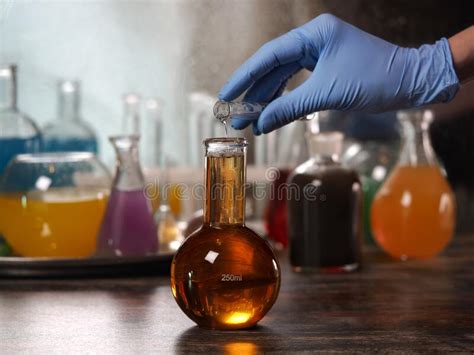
(411, 306)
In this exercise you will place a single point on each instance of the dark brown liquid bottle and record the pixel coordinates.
(325, 210)
(225, 276)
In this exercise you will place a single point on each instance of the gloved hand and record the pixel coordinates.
(351, 70)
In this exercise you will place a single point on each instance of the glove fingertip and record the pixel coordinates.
(224, 94)
(264, 126)
(239, 124)
(256, 131)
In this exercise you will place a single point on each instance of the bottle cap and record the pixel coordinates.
(325, 143)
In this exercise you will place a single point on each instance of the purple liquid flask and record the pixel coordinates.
(128, 228)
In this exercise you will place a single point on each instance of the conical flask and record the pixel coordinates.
(128, 227)
(413, 213)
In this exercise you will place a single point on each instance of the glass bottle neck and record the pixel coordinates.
(225, 189)
(129, 175)
(68, 101)
(324, 147)
(8, 88)
(416, 147)
(131, 115)
(325, 159)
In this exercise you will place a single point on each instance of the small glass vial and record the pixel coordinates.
(324, 209)
(69, 132)
(18, 133)
(225, 276)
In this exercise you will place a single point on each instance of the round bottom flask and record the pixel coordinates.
(225, 276)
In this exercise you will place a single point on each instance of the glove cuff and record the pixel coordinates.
(448, 74)
(435, 79)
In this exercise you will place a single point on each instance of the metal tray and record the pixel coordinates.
(20, 267)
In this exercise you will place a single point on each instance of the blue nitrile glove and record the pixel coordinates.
(352, 70)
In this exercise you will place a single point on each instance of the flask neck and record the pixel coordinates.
(69, 100)
(324, 147)
(8, 88)
(416, 145)
(225, 182)
(325, 159)
(131, 115)
(129, 175)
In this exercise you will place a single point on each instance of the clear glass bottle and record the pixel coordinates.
(152, 134)
(128, 228)
(69, 132)
(324, 209)
(225, 276)
(18, 133)
(413, 213)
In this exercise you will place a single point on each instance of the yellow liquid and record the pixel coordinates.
(174, 198)
(413, 214)
(56, 223)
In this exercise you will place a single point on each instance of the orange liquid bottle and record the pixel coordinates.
(413, 213)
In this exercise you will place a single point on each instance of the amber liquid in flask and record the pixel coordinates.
(225, 276)
(413, 213)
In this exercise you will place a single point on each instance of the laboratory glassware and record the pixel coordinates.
(151, 141)
(128, 228)
(69, 132)
(324, 209)
(224, 110)
(18, 133)
(225, 276)
(413, 213)
(170, 236)
(52, 204)
(131, 121)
